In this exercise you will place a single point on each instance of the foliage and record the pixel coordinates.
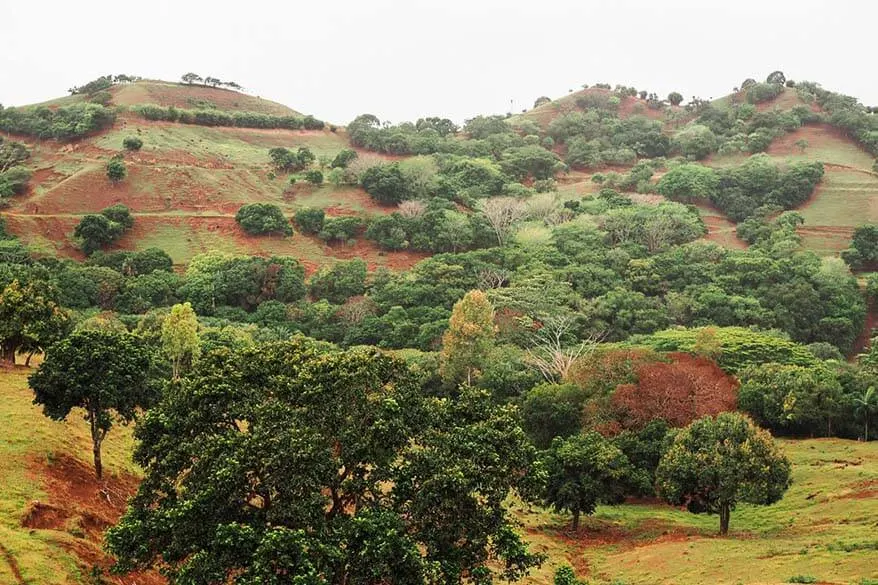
(678, 392)
(214, 117)
(102, 372)
(717, 462)
(96, 231)
(180, 340)
(62, 123)
(333, 465)
(695, 142)
(263, 218)
(310, 220)
(116, 170)
(132, 143)
(469, 338)
(30, 318)
(581, 472)
(339, 282)
(863, 251)
(551, 410)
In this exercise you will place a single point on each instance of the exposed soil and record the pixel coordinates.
(864, 340)
(83, 508)
(13, 564)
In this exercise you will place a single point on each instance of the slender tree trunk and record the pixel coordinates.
(7, 354)
(96, 439)
(725, 512)
(576, 520)
(867, 427)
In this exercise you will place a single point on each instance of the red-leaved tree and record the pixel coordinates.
(680, 391)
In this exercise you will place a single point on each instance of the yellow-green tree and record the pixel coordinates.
(180, 339)
(469, 338)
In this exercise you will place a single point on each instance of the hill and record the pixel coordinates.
(186, 183)
(52, 515)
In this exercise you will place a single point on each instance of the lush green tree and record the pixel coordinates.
(717, 462)
(12, 154)
(180, 340)
(282, 463)
(191, 78)
(263, 218)
(675, 98)
(314, 176)
(866, 405)
(119, 214)
(344, 158)
(689, 183)
(341, 229)
(116, 170)
(30, 318)
(339, 282)
(776, 77)
(102, 372)
(469, 338)
(132, 143)
(863, 250)
(14, 181)
(581, 472)
(791, 399)
(386, 184)
(696, 141)
(552, 410)
(95, 231)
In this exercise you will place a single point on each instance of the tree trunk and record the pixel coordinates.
(867, 427)
(576, 520)
(96, 439)
(7, 354)
(725, 512)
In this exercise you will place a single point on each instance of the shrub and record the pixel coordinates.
(116, 170)
(314, 176)
(763, 92)
(132, 143)
(310, 219)
(263, 218)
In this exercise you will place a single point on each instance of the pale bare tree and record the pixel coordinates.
(542, 205)
(411, 209)
(503, 213)
(493, 278)
(549, 352)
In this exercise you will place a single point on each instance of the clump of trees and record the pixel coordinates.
(194, 78)
(863, 251)
(14, 176)
(368, 494)
(215, 117)
(62, 123)
(740, 191)
(263, 218)
(96, 231)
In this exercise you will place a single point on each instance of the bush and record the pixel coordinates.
(314, 176)
(763, 92)
(132, 143)
(310, 219)
(116, 170)
(263, 218)
(341, 229)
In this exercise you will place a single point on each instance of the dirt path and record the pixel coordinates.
(13, 564)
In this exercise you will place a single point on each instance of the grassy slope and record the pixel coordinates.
(186, 184)
(31, 443)
(824, 528)
(166, 94)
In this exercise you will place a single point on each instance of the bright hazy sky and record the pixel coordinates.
(402, 59)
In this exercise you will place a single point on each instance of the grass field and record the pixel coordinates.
(166, 94)
(824, 528)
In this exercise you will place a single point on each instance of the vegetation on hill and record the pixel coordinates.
(572, 343)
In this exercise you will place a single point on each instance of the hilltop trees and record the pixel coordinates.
(717, 462)
(285, 460)
(102, 372)
(675, 98)
(263, 218)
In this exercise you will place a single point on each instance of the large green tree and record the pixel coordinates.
(470, 336)
(583, 471)
(715, 463)
(180, 340)
(101, 371)
(287, 464)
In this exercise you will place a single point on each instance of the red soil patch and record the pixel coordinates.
(863, 490)
(83, 508)
(864, 340)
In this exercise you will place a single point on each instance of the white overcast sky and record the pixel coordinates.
(402, 59)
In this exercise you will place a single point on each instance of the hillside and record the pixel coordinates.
(186, 183)
(52, 515)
